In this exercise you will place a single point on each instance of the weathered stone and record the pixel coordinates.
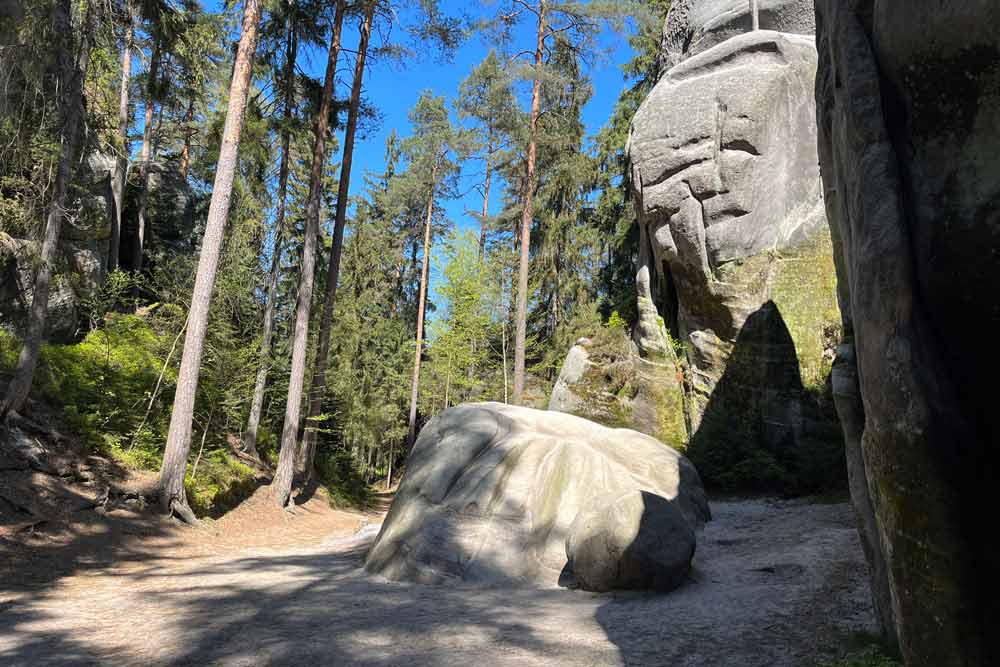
(491, 491)
(693, 26)
(637, 540)
(909, 105)
(606, 380)
(733, 232)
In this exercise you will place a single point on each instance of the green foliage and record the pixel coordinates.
(340, 475)
(457, 347)
(102, 381)
(220, 484)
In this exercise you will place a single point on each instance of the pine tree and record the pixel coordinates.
(486, 97)
(172, 472)
(433, 155)
(286, 83)
(575, 25)
(318, 388)
(281, 485)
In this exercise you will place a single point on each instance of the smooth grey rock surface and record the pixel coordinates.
(693, 26)
(732, 230)
(636, 540)
(908, 107)
(491, 490)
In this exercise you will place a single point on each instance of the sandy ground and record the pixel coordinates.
(775, 583)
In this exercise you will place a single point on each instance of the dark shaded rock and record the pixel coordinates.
(638, 540)
(908, 109)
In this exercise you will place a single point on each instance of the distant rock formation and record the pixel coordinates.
(735, 258)
(83, 260)
(693, 26)
(908, 101)
(605, 379)
(492, 491)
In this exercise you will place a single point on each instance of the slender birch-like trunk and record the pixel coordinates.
(415, 388)
(281, 486)
(171, 486)
(146, 155)
(527, 216)
(121, 163)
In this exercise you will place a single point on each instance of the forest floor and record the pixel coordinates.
(775, 583)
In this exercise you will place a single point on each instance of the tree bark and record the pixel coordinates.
(145, 155)
(72, 73)
(281, 486)
(486, 202)
(189, 132)
(121, 164)
(318, 388)
(171, 485)
(415, 388)
(257, 402)
(527, 215)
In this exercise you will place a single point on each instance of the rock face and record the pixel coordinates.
(693, 26)
(909, 106)
(736, 260)
(491, 492)
(633, 541)
(606, 380)
(85, 240)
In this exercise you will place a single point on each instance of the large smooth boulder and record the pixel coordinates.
(908, 111)
(636, 540)
(491, 491)
(736, 260)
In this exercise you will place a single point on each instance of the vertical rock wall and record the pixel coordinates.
(908, 103)
(736, 260)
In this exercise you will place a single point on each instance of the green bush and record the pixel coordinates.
(339, 476)
(104, 383)
(220, 483)
(10, 347)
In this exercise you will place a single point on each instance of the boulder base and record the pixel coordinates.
(635, 541)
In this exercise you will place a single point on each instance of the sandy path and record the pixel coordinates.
(776, 583)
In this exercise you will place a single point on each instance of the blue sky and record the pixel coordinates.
(394, 89)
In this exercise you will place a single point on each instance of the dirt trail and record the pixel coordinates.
(775, 583)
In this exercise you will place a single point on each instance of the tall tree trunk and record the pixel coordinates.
(257, 402)
(189, 132)
(415, 388)
(527, 215)
(171, 486)
(483, 225)
(121, 164)
(318, 388)
(72, 73)
(145, 155)
(281, 486)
